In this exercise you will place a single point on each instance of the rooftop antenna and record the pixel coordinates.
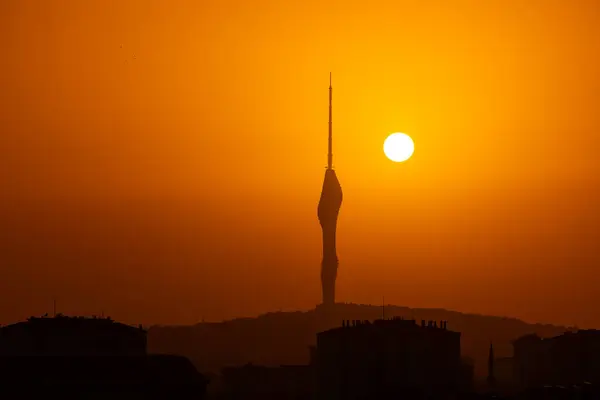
(330, 152)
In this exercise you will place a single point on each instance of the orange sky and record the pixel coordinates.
(162, 161)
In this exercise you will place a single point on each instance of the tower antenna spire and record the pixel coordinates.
(330, 152)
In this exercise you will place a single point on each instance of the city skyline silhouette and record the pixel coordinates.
(148, 176)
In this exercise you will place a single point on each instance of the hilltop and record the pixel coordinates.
(284, 337)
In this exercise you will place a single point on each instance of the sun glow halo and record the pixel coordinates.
(398, 147)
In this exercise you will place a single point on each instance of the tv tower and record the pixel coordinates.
(328, 210)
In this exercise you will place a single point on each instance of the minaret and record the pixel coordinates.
(491, 379)
(328, 209)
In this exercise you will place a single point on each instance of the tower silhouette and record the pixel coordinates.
(491, 378)
(328, 210)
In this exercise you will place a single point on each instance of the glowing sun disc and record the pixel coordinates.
(398, 147)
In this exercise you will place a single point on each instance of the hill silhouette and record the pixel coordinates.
(280, 338)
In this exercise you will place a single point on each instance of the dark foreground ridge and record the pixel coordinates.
(283, 338)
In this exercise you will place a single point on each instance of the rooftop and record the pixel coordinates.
(392, 323)
(63, 321)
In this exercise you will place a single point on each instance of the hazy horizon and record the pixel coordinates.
(103, 313)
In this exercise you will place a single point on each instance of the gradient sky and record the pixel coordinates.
(162, 161)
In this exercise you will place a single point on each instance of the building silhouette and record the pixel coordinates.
(328, 210)
(394, 357)
(72, 336)
(148, 376)
(265, 382)
(572, 358)
(90, 356)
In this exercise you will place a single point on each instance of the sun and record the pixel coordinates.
(398, 147)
